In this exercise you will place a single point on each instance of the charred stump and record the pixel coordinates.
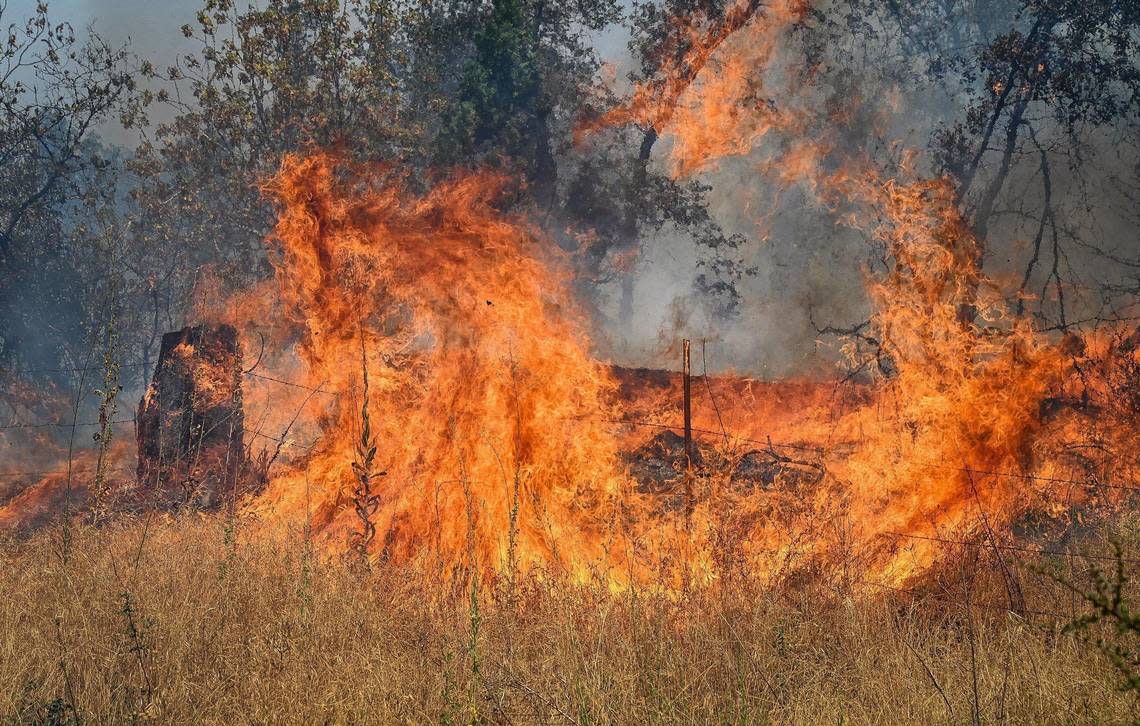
(190, 422)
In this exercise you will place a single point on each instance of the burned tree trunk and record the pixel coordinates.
(190, 422)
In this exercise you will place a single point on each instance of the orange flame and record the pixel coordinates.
(478, 369)
(958, 433)
(707, 96)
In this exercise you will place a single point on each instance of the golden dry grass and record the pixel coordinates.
(260, 633)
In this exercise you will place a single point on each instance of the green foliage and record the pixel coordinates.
(500, 107)
(137, 698)
(108, 404)
(56, 711)
(524, 68)
(1111, 611)
(263, 82)
(364, 500)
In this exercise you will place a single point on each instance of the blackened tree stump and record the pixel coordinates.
(190, 422)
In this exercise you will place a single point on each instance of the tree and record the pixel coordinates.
(54, 93)
(263, 82)
(634, 198)
(1041, 89)
(508, 93)
(426, 88)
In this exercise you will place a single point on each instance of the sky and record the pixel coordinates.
(150, 29)
(150, 26)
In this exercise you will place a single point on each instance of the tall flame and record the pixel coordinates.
(478, 368)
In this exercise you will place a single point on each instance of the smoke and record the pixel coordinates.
(804, 273)
(808, 269)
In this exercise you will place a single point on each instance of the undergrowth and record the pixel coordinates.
(138, 627)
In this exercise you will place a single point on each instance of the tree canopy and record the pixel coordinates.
(1033, 116)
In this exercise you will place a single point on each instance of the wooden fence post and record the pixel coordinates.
(688, 408)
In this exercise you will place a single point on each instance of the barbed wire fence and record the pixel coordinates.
(821, 451)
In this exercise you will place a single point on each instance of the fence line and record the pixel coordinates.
(822, 451)
(651, 424)
(76, 470)
(63, 425)
(1009, 548)
(1034, 477)
(291, 384)
(927, 464)
(285, 442)
(76, 370)
(958, 601)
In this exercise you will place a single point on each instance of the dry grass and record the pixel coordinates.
(201, 630)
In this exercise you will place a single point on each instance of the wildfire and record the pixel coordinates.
(488, 439)
(493, 424)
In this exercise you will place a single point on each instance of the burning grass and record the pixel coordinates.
(170, 620)
(492, 435)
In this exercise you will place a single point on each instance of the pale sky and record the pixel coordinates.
(152, 28)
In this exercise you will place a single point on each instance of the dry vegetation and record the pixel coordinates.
(176, 621)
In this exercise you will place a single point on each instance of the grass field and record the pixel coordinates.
(187, 620)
